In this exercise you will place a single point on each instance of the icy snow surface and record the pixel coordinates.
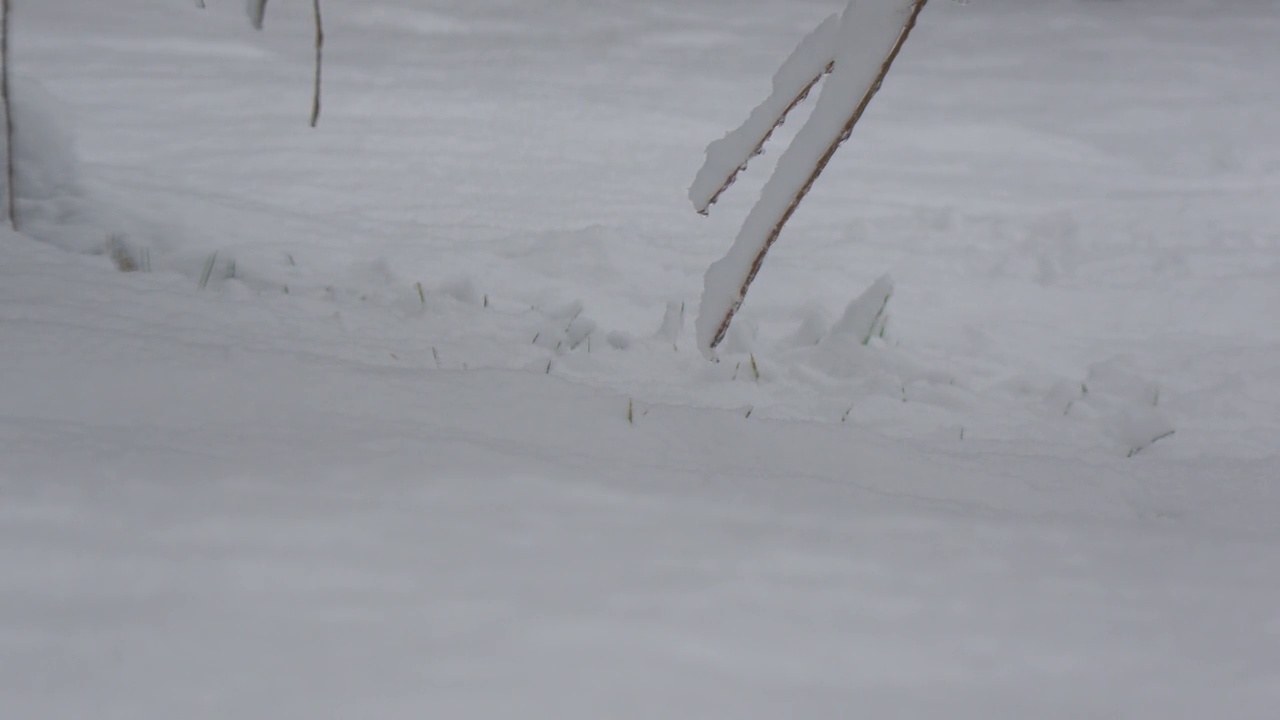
(434, 440)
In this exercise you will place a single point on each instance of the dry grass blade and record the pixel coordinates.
(315, 96)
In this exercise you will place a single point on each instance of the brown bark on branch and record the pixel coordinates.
(817, 170)
(759, 148)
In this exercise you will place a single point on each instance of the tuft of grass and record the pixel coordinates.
(435, 354)
(755, 369)
(631, 412)
(208, 270)
(6, 98)
(119, 254)
(750, 409)
(422, 296)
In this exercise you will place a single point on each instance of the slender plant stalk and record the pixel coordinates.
(817, 170)
(10, 194)
(315, 97)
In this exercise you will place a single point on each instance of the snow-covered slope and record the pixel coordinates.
(434, 438)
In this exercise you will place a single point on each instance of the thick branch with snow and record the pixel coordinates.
(870, 35)
(792, 82)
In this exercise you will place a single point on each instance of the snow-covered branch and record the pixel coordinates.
(867, 41)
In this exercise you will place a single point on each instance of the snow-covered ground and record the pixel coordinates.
(434, 438)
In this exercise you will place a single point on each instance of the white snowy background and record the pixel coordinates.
(402, 417)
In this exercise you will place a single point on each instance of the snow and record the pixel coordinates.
(866, 34)
(345, 480)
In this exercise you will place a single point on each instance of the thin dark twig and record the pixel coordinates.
(315, 97)
(10, 174)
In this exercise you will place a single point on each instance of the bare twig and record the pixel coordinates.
(208, 269)
(315, 97)
(817, 170)
(119, 253)
(257, 9)
(10, 175)
(1139, 448)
